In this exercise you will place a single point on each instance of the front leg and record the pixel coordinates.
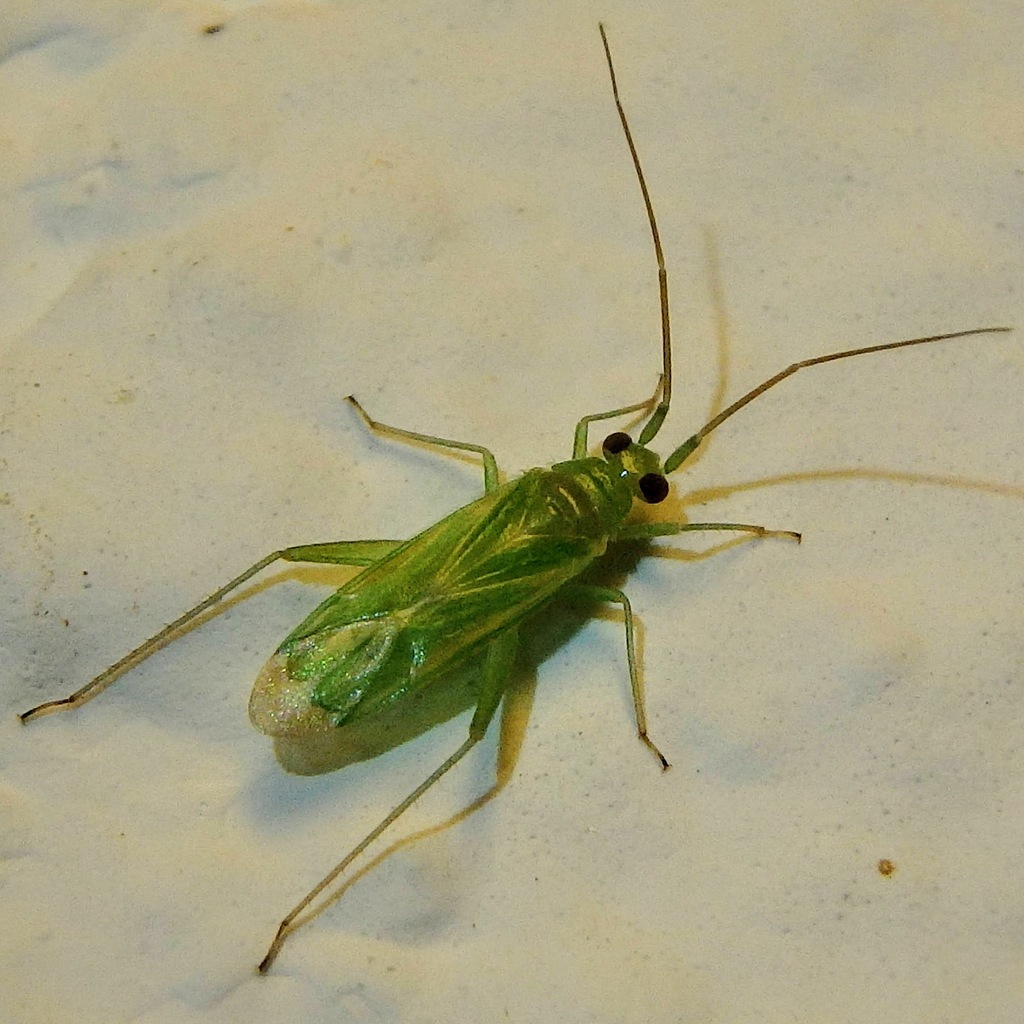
(648, 531)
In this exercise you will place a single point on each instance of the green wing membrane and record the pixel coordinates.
(437, 600)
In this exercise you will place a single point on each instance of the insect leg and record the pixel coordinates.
(341, 552)
(610, 594)
(355, 552)
(490, 465)
(645, 531)
(498, 664)
(580, 439)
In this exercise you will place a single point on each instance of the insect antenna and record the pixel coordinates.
(690, 445)
(653, 425)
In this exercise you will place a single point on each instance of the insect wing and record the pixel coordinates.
(425, 608)
(286, 698)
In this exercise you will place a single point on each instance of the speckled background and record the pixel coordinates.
(210, 238)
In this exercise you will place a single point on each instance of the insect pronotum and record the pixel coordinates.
(460, 591)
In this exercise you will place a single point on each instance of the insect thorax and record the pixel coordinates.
(590, 493)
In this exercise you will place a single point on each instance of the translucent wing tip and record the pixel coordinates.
(280, 706)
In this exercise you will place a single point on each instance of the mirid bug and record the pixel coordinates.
(458, 593)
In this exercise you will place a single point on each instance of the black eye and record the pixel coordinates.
(617, 442)
(653, 488)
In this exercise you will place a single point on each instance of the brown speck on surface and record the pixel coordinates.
(886, 867)
(212, 30)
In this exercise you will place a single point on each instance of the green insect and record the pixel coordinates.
(458, 593)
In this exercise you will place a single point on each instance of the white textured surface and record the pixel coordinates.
(209, 239)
